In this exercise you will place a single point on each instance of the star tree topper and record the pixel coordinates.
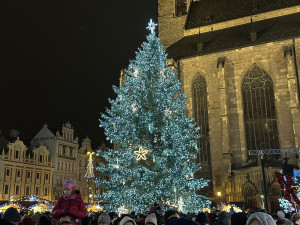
(141, 153)
(151, 26)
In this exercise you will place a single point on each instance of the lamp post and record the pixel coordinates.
(219, 193)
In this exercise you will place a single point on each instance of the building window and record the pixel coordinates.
(46, 191)
(6, 187)
(47, 176)
(7, 172)
(18, 173)
(259, 110)
(180, 7)
(36, 191)
(17, 190)
(28, 174)
(17, 154)
(41, 158)
(38, 176)
(27, 190)
(201, 117)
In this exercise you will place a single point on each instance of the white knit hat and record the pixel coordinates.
(151, 218)
(126, 219)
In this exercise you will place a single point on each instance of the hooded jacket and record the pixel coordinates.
(74, 203)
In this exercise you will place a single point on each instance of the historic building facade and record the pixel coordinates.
(239, 66)
(42, 168)
(69, 159)
(24, 173)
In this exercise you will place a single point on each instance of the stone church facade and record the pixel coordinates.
(239, 66)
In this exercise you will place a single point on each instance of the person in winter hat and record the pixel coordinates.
(104, 219)
(151, 219)
(70, 203)
(11, 217)
(280, 214)
(260, 218)
(127, 221)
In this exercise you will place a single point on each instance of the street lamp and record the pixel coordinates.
(219, 193)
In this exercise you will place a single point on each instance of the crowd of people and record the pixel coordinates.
(70, 210)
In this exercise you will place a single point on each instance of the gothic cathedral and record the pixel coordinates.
(238, 62)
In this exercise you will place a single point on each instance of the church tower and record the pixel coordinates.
(172, 15)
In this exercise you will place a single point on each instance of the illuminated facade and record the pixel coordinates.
(239, 65)
(25, 173)
(42, 168)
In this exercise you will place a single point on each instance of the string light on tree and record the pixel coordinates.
(180, 204)
(122, 210)
(141, 153)
(117, 165)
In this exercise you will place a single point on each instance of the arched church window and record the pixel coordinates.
(180, 7)
(259, 110)
(201, 117)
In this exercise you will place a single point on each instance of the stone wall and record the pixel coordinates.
(224, 72)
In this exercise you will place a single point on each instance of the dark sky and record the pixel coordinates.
(59, 60)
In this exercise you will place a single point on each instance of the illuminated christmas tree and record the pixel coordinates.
(157, 142)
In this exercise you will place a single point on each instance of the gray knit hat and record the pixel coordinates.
(12, 215)
(104, 218)
(263, 218)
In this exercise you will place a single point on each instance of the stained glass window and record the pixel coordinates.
(201, 117)
(259, 110)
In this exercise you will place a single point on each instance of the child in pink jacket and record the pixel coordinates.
(70, 203)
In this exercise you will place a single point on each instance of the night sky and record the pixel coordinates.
(59, 60)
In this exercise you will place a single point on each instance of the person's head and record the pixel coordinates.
(127, 221)
(280, 214)
(104, 219)
(67, 218)
(170, 214)
(12, 215)
(238, 219)
(296, 218)
(44, 220)
(260, 218)
(28, 221)
(202, 218)
(217, 212)
(151, 219)
(69, 187)
(284, 221)
(66, 223)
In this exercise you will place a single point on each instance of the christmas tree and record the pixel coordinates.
(157, 142)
